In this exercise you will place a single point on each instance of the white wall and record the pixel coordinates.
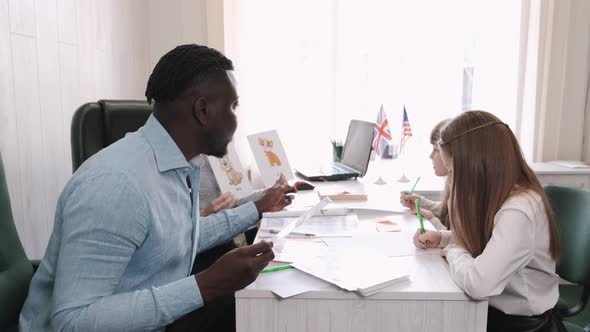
(563, 86)
(54, 56)
(175, 22)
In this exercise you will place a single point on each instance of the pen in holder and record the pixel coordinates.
(337, 150)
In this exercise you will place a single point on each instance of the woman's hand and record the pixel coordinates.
(408, 200)
(428, 239)
(225, 201)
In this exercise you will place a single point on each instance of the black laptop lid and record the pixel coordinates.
(357, 149)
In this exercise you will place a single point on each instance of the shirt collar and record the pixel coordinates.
(168, 155)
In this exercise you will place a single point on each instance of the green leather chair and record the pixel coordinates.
(16, 270)
(98, 125)
(572, 213)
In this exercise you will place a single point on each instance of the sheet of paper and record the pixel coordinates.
(394, 244)
(300, 212)
(571, 163)
(278, 239)
(270, 157)
(229, 173)
(319, 226)
(354, 269)
(289, 283)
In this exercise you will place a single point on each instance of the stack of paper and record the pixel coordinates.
(363, 272)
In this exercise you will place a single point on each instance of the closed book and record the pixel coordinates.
(343, 195)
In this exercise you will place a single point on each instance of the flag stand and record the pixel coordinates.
(403, 178)
(379, 180)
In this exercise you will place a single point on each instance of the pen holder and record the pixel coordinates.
(337, 150)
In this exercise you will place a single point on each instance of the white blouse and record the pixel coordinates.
(515, 272)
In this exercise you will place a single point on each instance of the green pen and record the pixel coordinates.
(414, 187)
(278, 268)
(420, 218)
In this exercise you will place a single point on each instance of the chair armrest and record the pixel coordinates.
(569, 312)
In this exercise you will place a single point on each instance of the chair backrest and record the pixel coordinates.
(98, 125)
(16, 270)
(572, 213)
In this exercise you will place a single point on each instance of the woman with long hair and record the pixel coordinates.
(504, 242)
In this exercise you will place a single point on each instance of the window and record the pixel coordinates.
(306, 68)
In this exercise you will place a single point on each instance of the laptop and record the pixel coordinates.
(355, 160)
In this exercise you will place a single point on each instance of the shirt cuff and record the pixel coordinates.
(179, 297)
(455, 253)
(447, 237)
(250, 213)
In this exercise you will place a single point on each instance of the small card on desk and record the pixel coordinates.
(388, 226)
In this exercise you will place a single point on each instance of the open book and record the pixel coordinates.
(363, 272)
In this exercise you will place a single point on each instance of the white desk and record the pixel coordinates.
(431, 301)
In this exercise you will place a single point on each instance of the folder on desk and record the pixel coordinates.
(363, 272)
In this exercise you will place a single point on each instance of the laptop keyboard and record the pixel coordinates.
(338, 169)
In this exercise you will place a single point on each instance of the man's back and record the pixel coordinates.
(123, 228)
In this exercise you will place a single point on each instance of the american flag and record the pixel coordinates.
(406, 131)
(381, 133)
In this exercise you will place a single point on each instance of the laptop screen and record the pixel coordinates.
(357, 148)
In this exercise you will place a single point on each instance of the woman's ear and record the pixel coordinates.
(200, 111)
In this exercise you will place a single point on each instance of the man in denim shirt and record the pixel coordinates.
(127, 226)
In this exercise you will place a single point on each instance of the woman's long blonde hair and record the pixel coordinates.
(488, 167)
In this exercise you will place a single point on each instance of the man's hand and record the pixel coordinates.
(275, 198)
(225, 201)
(234, 270)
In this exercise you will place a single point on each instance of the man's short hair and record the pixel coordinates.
(182, 68)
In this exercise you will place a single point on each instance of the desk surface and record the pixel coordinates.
(430, 279)
(429, 301)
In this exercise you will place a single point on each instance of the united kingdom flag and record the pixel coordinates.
(381, 133)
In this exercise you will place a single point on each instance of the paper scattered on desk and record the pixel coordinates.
(298, 282)
(363, 271)
(571, 163)
(278, 240)
(392, 244)
(300, 212)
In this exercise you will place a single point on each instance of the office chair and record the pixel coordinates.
(572, 213)
(16, 270)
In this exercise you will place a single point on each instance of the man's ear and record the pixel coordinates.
(200, 112)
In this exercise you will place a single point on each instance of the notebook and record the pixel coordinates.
(355, 161)
(361, 271)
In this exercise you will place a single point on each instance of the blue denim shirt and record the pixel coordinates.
(124, 240)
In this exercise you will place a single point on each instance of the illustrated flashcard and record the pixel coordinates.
(270, 157)
(230, 175)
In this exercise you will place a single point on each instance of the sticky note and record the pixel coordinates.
(388, 226)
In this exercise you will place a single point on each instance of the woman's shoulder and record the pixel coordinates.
(528, 201)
